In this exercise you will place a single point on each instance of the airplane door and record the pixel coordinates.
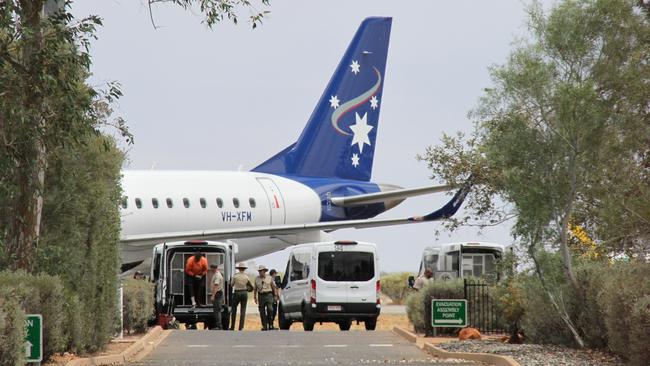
(276, 202)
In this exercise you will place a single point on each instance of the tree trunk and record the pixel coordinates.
(567, 259)
(556, 305)
(24, 230)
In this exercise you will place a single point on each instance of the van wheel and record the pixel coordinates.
(307, 322)
(345, 324)
(284, 323)
(371, 324)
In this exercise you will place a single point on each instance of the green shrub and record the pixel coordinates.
(39, 294)
(138, 305)
(12, 329)
(395, 286)
(418, 304)
(640, 328)
(622, 300)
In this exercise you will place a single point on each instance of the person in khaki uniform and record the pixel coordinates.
(241, 284)
(217, 295)
(265, 294)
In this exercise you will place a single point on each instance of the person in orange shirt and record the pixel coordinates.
(195, 269)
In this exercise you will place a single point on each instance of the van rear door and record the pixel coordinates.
(350, 273)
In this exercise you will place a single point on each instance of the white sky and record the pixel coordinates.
(231, 97)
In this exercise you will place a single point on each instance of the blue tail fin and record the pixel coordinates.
(339, 139)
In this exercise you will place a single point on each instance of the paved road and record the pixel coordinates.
(287, 348)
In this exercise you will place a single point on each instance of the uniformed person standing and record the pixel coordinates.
(241, 284)
(265, 293)
(217, 295)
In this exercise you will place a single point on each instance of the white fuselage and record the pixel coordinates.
(204, 200)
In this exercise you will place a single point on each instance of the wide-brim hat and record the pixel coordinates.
(241, 265)
(262, 268)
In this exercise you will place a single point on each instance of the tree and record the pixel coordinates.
(563, 133)
(218, 10)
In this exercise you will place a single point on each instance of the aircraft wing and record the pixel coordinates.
(397, 194)
(445, 212)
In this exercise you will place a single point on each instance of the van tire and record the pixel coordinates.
(345, 325)
(283, 322)
(370, 324)
(307, 322)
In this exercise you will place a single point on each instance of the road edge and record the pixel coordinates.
(492, 359)
(138, 350)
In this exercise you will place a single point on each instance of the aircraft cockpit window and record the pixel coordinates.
(235, 202)
(219, 202)
(203, 203)
(170, 203)
(138, 203)
(186, 202)
(154, 202)
(125, 202)
(251, 201)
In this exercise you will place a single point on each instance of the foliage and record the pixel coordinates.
(562, 137)
(640, 326)
(80, 233)
(37, 294)
(217, 10)
(395, 286)
(12, 330)
(138, 305)
(418, 304)
(624, 301)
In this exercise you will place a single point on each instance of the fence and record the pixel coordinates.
(481, 309)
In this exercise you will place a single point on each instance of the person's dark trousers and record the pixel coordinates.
(274, 313)
(265, 303)
(217, 305)
(238, 297)
(195, 288)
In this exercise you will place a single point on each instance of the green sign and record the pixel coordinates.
(449, 313)
(34, 338)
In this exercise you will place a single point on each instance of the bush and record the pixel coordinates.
(640, 328)
(418, 304)
(12, 329)
(39, 294)
(138, 305)
(624, 301)
(395, 286)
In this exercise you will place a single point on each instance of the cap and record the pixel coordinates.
(262, 268)
(241, 265)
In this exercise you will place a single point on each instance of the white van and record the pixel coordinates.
(331, 282)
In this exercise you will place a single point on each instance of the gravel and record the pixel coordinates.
(536, 354)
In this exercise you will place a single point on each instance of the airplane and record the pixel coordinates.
(318, 184)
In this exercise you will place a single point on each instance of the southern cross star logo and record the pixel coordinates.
(360, 130)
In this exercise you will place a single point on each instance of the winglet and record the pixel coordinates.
(450, 208)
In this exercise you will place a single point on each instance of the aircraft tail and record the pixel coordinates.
(339, 138)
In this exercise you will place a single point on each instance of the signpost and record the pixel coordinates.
(449, 313)
(34, 338)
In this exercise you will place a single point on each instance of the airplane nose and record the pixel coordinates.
(385, 187)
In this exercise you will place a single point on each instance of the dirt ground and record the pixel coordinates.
(115, 346)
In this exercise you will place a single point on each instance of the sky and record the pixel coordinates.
(231, 97)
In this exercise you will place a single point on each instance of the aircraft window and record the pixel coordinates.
(125, 202)
(170, 203)
(251, 201)
(138, 203)
(219, 202)
(235, 202)
(203, 203)
(154, 202)
(186, 202)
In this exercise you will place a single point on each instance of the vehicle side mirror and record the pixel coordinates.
(411, 281)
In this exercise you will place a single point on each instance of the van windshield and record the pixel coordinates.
(346, 266)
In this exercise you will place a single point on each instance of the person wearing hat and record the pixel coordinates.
(241, 284)
(264, 294)
(217, 294)
(276, 279)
